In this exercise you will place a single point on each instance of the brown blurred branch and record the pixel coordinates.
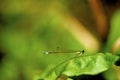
(100, 18)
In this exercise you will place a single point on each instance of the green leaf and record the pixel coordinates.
(85, 64)
(114, 31)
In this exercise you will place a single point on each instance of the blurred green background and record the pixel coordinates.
(28, 28)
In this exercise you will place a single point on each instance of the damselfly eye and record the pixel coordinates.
(83, 51)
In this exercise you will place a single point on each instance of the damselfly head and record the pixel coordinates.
(78, 52)
(83, 51)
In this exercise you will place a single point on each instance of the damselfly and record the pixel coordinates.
(79, 52)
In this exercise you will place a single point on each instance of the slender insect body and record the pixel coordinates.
(79, 52)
